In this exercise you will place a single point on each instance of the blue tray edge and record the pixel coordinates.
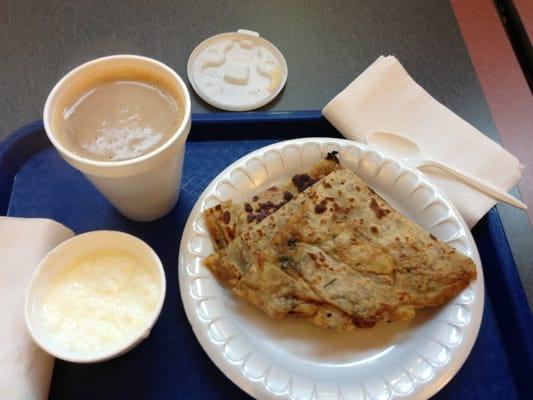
(17, 147)
(513, 304)
(28, 140)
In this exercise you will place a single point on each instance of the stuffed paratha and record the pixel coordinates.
(227, 220)
(340, 256)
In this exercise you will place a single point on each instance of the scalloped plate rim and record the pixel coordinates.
(257, 388)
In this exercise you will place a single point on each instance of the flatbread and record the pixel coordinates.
(229, 219)
(338, 255)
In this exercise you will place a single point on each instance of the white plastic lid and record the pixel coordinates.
(237, 71)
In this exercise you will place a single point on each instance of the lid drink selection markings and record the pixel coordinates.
(237, 71)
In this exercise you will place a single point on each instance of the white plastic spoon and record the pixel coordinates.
(408, 151)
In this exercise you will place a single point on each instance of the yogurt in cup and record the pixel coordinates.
(95, 296)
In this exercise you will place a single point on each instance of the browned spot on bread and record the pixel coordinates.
(358, 188)
(262, 210)
(260, 216)
(273, 189)
(255, 198)
(332, 156)
(266, 206)
(378, 210)
(374, 229)
(218, 207)
(320, 208)
(302, 181)
(362, 323)
(287, 196)
(339, 209)
(326, 185)
(432, 237)
(226, 217)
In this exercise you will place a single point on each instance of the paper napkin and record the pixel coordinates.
(385, 98)
(25, 369)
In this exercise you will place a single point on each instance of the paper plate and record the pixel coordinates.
(292, 359)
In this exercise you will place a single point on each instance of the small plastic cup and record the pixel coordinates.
(144, 188)
(58, 260)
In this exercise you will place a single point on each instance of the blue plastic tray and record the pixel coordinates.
(170, 364)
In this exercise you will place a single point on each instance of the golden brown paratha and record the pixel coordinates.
(340, 256)
(226, 221)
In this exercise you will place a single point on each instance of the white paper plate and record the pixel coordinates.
(292, 359)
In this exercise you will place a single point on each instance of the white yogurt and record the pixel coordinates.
(100, 302)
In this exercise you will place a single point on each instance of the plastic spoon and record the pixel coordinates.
(408, 151)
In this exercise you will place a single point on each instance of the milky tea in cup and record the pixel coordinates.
(118, 117)
(123, 122)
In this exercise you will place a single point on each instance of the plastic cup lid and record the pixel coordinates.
(237, 71)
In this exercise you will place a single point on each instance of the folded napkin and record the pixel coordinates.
(385, 98)
(25, 369)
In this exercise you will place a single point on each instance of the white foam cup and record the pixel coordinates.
(143, 188)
